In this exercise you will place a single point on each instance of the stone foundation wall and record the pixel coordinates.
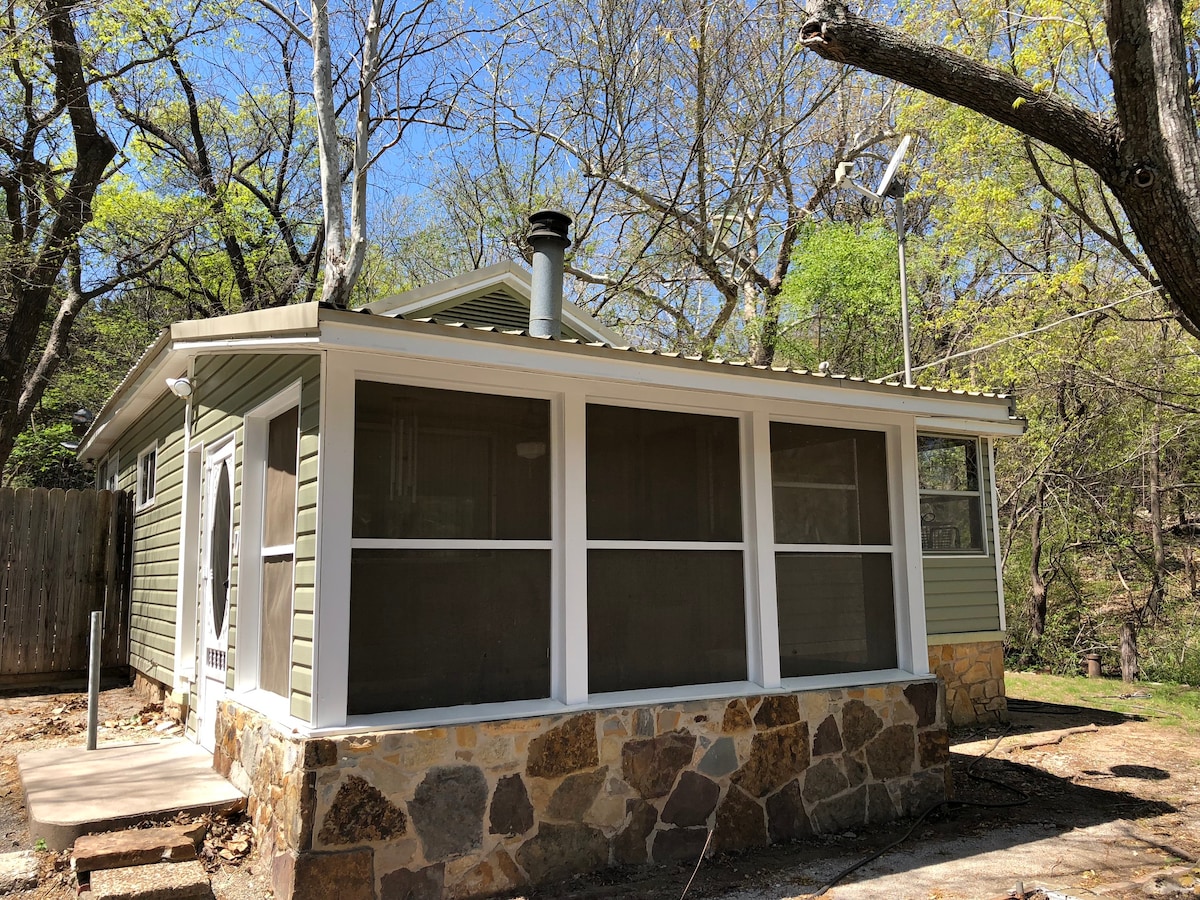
(467, 811)
(174, 705)
(974, 677)
(148, 689)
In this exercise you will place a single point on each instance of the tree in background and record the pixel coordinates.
(1137, 132)
(691, 140)
(54, 156)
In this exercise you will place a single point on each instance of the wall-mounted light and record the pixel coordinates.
(180, 387)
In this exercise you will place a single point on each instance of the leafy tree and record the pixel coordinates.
(696, 139)
(841, 300)
(54, 155)
(357, 50)
(1129, 115)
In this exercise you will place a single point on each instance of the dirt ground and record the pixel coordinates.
(38, 721)
(1106, 805)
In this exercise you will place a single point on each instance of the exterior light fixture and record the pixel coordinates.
(180, 387)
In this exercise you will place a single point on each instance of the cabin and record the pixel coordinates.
(467, 594)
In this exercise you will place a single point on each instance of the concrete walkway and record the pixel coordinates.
(70, 791)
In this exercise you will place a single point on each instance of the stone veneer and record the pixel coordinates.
(974, 677)
(470, 810)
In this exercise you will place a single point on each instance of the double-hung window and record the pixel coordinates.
(450, 550)
(278, 550)
(147, 476)
(951, 494)
(833, 550)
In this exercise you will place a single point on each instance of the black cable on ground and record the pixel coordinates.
(1023, 795)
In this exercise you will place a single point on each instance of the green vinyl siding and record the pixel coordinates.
(228, 387)
(155, 577)
(961, 594)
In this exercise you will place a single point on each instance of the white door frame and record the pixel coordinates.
(212, 636)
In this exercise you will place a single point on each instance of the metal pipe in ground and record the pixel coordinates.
(93, 718)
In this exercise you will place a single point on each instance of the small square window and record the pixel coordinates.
(147, 475)
(951, 496)
(110, 474)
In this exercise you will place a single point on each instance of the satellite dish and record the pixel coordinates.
(844, 170)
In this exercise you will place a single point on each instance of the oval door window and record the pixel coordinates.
(220, 550)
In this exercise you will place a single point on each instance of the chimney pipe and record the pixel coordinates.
(549, 242)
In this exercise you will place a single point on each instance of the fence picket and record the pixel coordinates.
(8, 511)
(28, 524)
(79, 512)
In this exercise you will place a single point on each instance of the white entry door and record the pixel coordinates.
(215, 570)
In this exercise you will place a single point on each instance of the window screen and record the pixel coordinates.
(658, 618)
(664, 616)
(440, 464)
(662, 476)
(829, 485)
(147, 476)
(279, 542)
(835, 613)
(434, 628)
(451, 622)
(836, 608)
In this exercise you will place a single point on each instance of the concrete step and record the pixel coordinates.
(70, 791)
(137, 847)
(158, 881)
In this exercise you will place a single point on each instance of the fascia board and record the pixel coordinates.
(490, 348)
(166, 358)
(260, 323)
(1011, 428)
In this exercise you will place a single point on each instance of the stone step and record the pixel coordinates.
(158, 881)
(136, 847)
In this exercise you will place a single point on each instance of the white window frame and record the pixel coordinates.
(980, 495)
(144, 494)
(250, 581)
(548, 545)
(108, 474)
(569, 395)
(616, 698)
(891, 437)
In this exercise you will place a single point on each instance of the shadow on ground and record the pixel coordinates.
(1045, 805)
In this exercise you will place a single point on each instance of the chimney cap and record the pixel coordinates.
(549, 223)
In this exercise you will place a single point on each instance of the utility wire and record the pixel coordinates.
(1025, 334)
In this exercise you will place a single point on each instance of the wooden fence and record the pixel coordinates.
(63, 555)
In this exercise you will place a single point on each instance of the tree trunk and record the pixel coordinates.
(1037, 584)
(31, 281)
(1129, 651)
(1149, 156)
(1154, 476)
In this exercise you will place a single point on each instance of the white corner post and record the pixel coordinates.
(335, 505)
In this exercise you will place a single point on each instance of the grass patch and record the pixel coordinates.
(1168, 704)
